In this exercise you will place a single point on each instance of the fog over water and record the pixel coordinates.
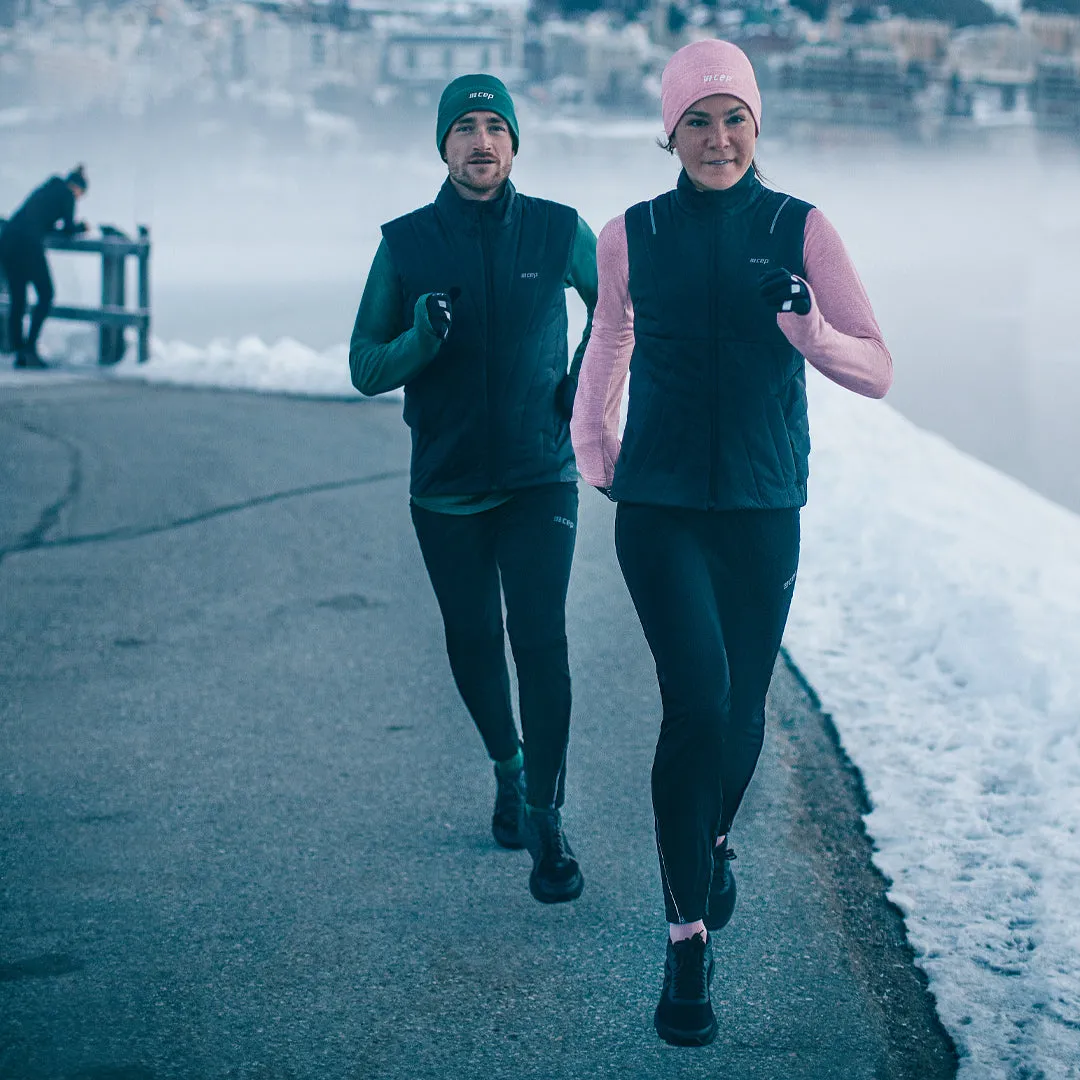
(966, 245)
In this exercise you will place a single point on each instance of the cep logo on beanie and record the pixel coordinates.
(472, 93)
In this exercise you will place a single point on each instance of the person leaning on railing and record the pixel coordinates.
(48, 209)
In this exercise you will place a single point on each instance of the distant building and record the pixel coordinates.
(845, 84)
(435, 56)
(1058, 35)
(399, 44)
(920, 41)
(993, 69)
(1056, 94)
(595, 62)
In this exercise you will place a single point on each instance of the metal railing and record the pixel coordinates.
(113, 316)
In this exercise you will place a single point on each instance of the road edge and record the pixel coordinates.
(829, 804)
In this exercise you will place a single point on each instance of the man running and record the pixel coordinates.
(465, 308)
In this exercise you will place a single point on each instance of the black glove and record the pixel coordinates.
(439, 313)
(564, 395)
(783, 291)
(607, 493)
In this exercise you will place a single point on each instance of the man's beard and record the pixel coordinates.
(462, 177)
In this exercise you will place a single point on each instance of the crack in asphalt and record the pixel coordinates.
(34, 540)
(49, 517)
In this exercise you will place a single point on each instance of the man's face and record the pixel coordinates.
(479, 154)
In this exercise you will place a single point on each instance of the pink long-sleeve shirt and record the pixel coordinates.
(840, 337)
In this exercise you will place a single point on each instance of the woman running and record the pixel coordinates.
(711, 296)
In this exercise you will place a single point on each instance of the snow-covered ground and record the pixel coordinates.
(249, 364)
(288, 367)
(937, 615)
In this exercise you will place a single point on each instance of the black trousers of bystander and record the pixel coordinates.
(24, 263)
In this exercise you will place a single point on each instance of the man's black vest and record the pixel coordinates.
(717, 414)
(483, 413)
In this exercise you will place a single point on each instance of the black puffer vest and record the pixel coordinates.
(717, 415)
(482, 414)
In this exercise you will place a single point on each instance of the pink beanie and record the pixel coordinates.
(704, 68)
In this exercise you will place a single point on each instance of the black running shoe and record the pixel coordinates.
(684, 1016)
(508, 818)
(556, 876)
(722, 892)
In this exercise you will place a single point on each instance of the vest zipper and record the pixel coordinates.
(485, 259)
(714, 340)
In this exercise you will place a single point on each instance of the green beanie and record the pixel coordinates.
(474, 93)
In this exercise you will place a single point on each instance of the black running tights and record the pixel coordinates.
(526, 545)
(712, 590)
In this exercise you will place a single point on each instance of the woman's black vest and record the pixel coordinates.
(483, 414)
(717, 412)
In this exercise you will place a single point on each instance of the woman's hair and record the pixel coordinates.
(668, 144)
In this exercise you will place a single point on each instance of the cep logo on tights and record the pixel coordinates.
(563, 521)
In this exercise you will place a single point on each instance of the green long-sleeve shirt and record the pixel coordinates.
(385, 352)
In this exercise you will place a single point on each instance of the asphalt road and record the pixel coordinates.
(244, 818)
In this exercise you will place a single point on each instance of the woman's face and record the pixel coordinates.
(715, 141)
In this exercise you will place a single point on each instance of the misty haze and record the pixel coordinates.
(267, 228)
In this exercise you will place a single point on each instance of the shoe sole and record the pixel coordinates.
(679, 1037)
(568, 892)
